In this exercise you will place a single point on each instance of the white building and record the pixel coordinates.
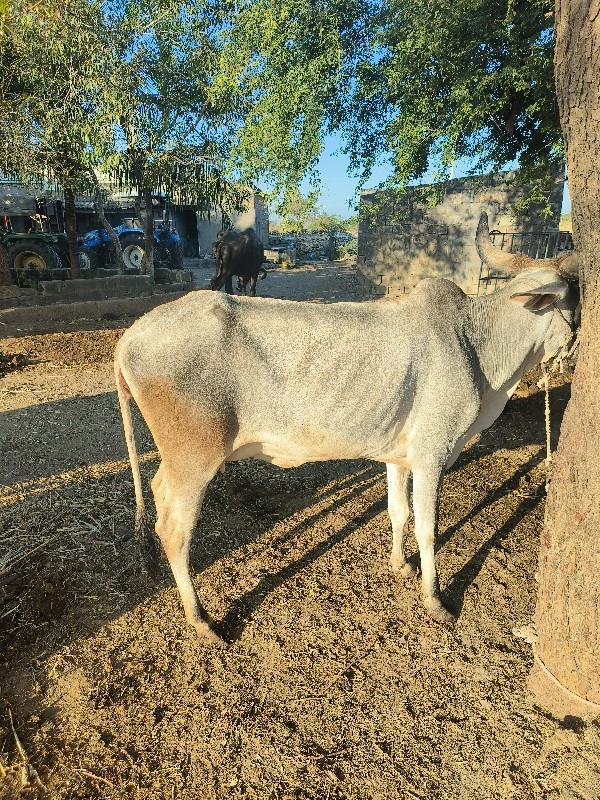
(255, 216)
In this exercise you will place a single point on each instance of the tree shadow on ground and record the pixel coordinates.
(53, 593)
(242, 609)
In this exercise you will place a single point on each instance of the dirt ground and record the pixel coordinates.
(335, 684)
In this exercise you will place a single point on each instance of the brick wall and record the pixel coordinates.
(408, 240)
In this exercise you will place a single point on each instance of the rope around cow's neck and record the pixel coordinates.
(557, 364)
(545, 383)
(548, 460)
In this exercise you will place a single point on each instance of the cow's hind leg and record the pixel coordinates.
(427, 482)
(178, 501)
(253, 286)
(398, 510)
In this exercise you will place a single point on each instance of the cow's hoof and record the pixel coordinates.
(439, 613)
(407, 569)
(206, 633)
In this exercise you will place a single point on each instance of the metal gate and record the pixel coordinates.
(536, 245)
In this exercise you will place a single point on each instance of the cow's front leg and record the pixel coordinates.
(218, 281)
(427, 482)
(397, 479)
(253, 286)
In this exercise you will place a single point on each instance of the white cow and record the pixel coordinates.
(408, 383)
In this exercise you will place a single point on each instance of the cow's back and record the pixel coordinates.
(345, 374)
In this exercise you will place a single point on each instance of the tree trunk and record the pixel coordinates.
(116, 242)
(138, 207)
(149, 233)
(332, 246)
(71, 231)
(566, 673)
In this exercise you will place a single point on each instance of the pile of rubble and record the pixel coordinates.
(314, 245)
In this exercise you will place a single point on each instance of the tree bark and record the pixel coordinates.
(566, 673)
(116, 242)
(71, 231)
(149, 233)
(138, 208)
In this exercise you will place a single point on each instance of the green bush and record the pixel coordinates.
(348, 249)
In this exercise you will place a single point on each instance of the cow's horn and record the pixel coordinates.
(512, 263)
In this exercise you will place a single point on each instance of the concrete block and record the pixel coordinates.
(163, 275)
(7, 292)
(101, 272)
(179, 287)
(87, 289)
(29, 301)
(184, 276)
(42, 319)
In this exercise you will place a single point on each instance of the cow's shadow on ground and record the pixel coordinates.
(54, 594)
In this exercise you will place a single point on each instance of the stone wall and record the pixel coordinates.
(313, 245)
(56, 305)
(87, 290)
(408, 240)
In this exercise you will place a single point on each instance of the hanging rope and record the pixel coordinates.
(545, 383)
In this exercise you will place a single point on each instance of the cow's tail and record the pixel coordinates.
(147, 542)
(264, 273)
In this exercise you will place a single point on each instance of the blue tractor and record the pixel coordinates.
(97, 251)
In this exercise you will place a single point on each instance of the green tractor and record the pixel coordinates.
(41, 253)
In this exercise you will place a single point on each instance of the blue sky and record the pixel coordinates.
(339, 190)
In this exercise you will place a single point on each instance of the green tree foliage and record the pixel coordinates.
(420, 82)
(53, 127)
(448, 79)
(302, 214)
(174, 120)
(297, 213)
(122, 89)
(56, 132)
(56, 74)
(292, 63)
(197, 97)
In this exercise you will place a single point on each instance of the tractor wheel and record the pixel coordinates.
(32, 256)
(175, 251)
(84, 261)
(89, 258)
(133, 251)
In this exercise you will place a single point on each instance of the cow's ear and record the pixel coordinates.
(535, 298)
(534, 301)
